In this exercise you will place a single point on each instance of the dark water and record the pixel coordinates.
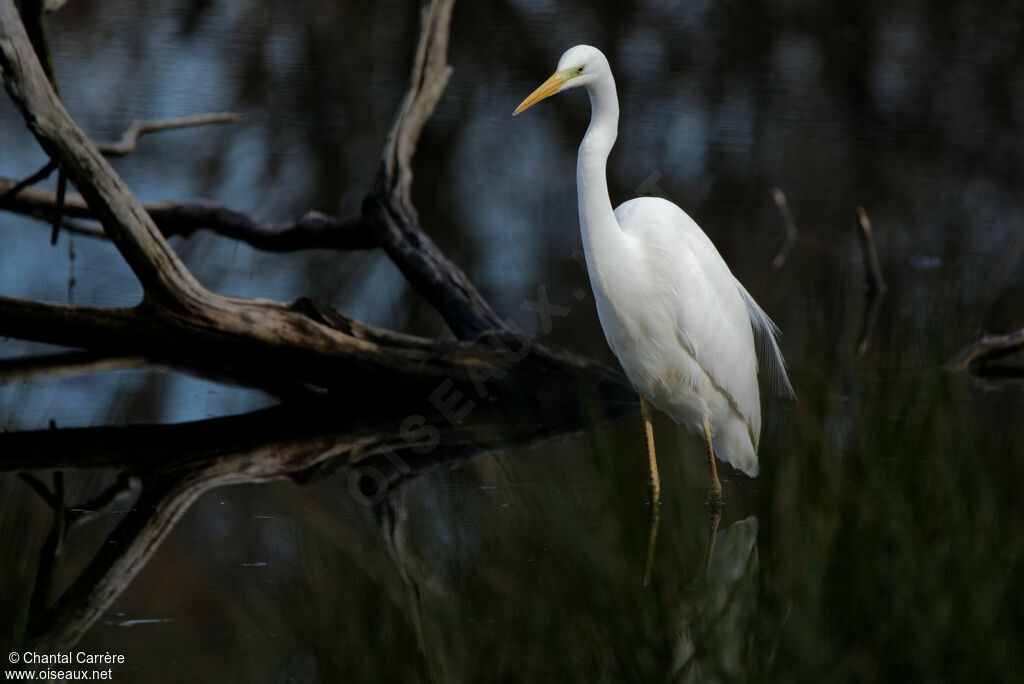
(883, 539)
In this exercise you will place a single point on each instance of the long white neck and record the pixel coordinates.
(602, 236)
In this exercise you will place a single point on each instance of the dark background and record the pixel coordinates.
(888, 533)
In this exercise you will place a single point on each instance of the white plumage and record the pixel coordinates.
(677, 319)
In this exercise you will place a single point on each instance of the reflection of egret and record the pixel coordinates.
(714, 633)
(675, 316)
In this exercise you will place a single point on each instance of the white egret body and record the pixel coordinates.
(677, 319)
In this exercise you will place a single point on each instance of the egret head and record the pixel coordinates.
(579, 66)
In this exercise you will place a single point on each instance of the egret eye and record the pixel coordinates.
(579, 70)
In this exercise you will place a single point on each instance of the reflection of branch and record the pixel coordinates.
(872, 267)
(67, 363)
(80, 513)
(787, 221)
(178, 463)
(987, 348)
(997, 378)
(83, 362)
(139, 128)
(980, 361)
(48, 553)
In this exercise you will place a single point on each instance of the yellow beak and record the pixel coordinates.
(546, 89)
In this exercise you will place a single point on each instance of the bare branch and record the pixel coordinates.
(32, 13)
(389, 209)
(787, 221)
(157, 267)
(872, 267)
(321, 349)
(427, 81)
(11, 190)
(312, 230)
(138, 128)
(299, 342)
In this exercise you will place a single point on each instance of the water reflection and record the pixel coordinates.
(174, 465)
(442, 578)
(715, 633)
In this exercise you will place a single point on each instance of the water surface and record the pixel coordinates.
(883, 538)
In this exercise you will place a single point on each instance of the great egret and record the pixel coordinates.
(680, 323)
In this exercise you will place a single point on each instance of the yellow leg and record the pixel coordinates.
(645, 409)
(716, 486)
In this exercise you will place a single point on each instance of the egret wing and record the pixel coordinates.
(711, 319)
(773, 366)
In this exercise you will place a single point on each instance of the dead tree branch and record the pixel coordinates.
(178, 313)
(161, 273)
(389, 219)
(126, 144)
(389, 209)
(299, 342)
(11, 189)
(312, 230)
(180, 320)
